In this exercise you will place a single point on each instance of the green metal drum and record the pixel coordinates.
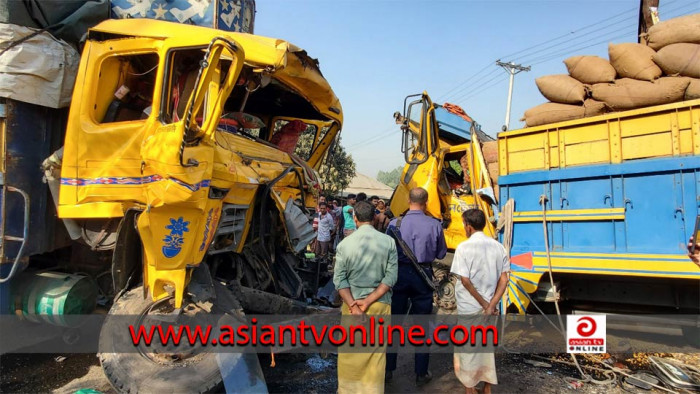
(52, 296)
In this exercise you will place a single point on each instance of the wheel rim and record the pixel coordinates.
(171, 354)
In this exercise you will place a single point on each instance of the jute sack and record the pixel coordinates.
(552, 113)
(490, 151)
(681, 29)
(679, 59)
(629, 93)
(590, 69)
(633, 61)
(692, 92)
(593, 107)
(492, 169)
(555, 112)
(561, 89)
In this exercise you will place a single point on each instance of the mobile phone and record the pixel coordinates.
(696, 234)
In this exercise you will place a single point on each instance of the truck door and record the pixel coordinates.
(423, 164)
(175, 229)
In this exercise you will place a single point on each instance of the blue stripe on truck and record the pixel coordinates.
(594, 171)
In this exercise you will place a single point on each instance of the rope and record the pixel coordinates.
(13, 44)
(505, 223)
(584, 376)
(610, 370)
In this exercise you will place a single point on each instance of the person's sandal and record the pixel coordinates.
(424, 379)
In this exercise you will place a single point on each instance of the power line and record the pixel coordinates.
(579, 30)
(576, 46)
(545, 54)
(475, 82)
(466, 80)
(482, 86)
(384, 133)
(477, 87)
(501, 78)
(604, 31)
(458, 88)
(608, 37)
(559, 55)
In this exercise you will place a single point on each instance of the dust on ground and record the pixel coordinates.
(307, 373)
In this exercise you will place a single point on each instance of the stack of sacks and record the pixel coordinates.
(489, 150)
(664, 70)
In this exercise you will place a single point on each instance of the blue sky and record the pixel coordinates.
(374, 53)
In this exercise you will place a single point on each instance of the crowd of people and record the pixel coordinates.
(376, 273)
(333, 222)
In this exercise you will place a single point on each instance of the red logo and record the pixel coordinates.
(586, 326)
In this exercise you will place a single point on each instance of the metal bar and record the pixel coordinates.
(25, 234)
(12, 238)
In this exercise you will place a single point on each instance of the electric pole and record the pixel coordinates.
(512, 69)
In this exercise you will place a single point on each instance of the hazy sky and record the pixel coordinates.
(374, 53)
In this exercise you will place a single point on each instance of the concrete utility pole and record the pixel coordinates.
(512, 69)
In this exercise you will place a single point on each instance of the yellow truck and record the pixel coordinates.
(617, 194)
(182, 177)
(443, 152)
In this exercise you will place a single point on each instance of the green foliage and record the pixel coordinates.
(336, 171)
(456, 166)
(305, 142)
(390, 178)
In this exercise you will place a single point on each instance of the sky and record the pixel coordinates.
(375, 53)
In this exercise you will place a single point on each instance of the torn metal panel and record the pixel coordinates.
(232, 225)
(299, 230)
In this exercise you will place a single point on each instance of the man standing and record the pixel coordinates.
(483, 266)
(424, 236)
(349, 223)
(321, 199)
(374, 200)
(325, 226)
(365, 271)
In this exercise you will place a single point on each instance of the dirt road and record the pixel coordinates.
(303, 373)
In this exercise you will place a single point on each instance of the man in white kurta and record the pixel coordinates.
(483, 266)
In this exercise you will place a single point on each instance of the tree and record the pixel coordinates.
(337, 171)
(390, 178)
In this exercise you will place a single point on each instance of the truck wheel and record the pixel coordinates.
(444, 297)
(156, 369)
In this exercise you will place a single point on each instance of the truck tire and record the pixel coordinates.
(152, 372)
(444, 296)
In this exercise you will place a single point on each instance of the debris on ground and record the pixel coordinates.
(641, 380)
(318, 364)
(641, 360)
(572, 383)
(538, 363)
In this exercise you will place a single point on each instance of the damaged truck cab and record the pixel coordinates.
(442, 148)
(191, 157)
(196, 131)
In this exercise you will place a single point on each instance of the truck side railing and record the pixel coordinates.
(11, 238)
